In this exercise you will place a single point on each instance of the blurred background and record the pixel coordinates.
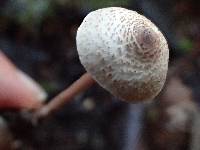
(39, 37)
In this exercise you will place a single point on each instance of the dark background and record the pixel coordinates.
(39, 37)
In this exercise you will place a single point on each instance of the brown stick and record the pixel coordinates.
(65, 96)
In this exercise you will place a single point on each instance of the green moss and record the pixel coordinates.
(186, 45)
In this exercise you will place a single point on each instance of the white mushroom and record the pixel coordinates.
(123, 51)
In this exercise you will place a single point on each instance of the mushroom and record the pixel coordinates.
(122, 51)
(18, 90)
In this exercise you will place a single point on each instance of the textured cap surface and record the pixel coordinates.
(124, 52)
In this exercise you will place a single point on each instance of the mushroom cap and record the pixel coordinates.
(124, 52)
(18, 90)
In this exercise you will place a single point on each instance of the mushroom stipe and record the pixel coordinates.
(80, 85)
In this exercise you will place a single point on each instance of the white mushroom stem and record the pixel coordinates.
(65, 96)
